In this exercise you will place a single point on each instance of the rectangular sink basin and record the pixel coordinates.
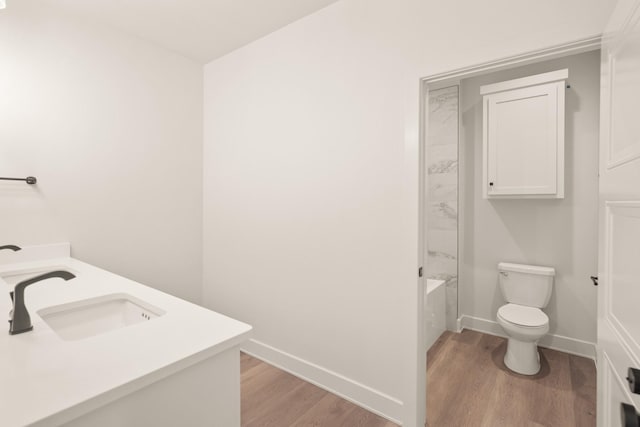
(87, 318)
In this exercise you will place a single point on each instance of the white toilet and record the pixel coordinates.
(527, 289)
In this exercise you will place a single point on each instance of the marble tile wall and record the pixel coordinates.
(442, 213)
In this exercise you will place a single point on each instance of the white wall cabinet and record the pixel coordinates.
(523, 137)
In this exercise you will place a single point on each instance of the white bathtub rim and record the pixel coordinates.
(433, 284)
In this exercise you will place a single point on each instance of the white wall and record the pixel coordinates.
(557, 233)
(111, 127)
(311, 177)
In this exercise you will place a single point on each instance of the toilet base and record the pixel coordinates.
(522, 357)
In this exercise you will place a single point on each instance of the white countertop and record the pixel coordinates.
(46, 381)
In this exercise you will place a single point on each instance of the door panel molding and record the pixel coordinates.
(618, 46)
(614, 213)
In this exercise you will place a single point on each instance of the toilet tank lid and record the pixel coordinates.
(528, 269)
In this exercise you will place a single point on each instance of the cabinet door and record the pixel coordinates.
(524, 141)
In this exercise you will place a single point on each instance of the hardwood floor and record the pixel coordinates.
(272, 397)
(467, 382)
(468, 385)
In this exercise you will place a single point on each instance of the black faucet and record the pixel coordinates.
(20, 320)
(14, 248)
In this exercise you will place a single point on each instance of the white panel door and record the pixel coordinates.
(619, 246)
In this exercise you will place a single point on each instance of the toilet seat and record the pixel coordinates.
(523, 316)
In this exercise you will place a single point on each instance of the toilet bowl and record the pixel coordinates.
(524, 326)
(526, 289)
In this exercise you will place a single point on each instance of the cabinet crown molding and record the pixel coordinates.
(552, 76)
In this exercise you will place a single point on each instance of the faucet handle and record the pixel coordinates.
(11, 311)
(21, 321)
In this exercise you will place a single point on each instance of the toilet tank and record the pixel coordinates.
(528, 285)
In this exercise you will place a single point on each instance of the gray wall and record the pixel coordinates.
(556, 233)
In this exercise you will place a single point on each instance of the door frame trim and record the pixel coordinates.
(565, 49)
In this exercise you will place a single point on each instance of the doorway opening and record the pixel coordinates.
(465, 235)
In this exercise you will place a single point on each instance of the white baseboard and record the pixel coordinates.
(368, 398)
(555, 342)
(459, 324)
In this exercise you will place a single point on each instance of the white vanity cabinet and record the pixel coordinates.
(102, 367)
(523, 137)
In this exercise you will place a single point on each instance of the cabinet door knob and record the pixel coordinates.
(594, 279)
(633, 377)
(629, 416)
(491, 184)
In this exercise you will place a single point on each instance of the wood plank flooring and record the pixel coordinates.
(468, 385)
(274, 398)
(467, 382)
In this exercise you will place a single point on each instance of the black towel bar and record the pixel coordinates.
(29, 180)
